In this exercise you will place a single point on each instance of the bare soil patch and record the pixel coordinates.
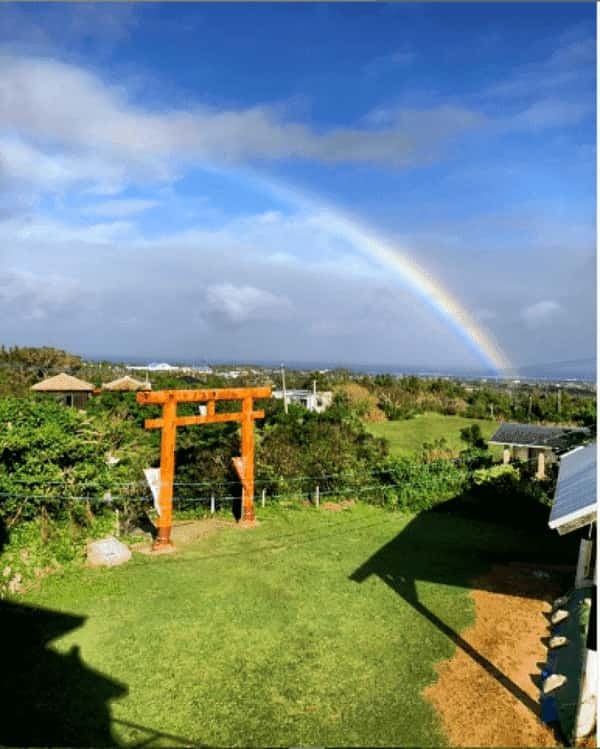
(185, 532)
(337, 506)
(487, 694)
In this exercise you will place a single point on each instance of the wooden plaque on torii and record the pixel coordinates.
(244, 465)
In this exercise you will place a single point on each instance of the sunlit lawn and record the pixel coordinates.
(407, 435)
(259, 638)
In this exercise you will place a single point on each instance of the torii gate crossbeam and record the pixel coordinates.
(169, 422)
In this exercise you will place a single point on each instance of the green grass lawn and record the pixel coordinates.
(251, 637)
(406, 436)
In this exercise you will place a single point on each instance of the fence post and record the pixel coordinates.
(262, 497)
(212, 504)
(317, 496)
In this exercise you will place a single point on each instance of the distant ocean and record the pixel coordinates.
(580, 370)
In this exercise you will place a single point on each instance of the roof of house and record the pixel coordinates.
(62, 383)
(297, 393)
(127, 383)
(531, 435)
(574, 503)
(292, 393)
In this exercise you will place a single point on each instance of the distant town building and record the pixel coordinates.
(531, 442)
(127, 383)
(310, 399)
(203, 369)
(72, 391)
(156, 367)
(164, 367)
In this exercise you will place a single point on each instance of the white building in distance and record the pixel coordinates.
(310, 399)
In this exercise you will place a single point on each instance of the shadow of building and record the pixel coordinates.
(425, 552)
(49, 698)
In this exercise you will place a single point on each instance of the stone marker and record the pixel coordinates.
(559, 615)
(553, 682)
(560, 602)
(557, 642)
(107, 552)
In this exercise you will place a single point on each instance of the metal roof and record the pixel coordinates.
(532, 435)
(575, 496)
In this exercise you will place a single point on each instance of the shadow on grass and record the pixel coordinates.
(425, 551)
(49, 698)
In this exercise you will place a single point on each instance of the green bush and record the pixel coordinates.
(508, 496)
(414, 486)
(39, 547)
(47, 454)
(298, 451)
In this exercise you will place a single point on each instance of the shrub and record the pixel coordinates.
(505, 495)
(47, 453)
(418, 485)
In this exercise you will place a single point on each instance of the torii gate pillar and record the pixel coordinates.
(244, 465)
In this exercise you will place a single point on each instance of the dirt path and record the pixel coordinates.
(487, 693)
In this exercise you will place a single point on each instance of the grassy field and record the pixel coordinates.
(405, 437)
(313, 628)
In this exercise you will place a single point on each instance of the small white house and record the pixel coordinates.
(310, 399)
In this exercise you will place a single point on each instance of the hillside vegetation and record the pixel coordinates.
(406, 436)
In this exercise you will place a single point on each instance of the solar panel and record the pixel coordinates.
(534, 435)
(575, 496)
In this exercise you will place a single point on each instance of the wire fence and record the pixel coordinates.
(215, 492)
(315, 478)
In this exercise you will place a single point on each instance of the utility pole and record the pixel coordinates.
(285, 405)
(529, 412)
(558, 400)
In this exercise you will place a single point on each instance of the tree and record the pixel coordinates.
(473, 437)
(22, 366)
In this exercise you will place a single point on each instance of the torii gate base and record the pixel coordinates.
(244, 465)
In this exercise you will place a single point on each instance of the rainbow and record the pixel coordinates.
(369, 242)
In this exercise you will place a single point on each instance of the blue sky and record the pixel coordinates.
(183, 180)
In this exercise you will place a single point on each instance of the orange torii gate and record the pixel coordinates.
(169, 422)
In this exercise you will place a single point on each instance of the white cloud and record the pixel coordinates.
(121, 208)
(25, 164)
(548, 113)
(540, 313)
(238, 304)
(229, 294)
(29, 296)
(77, 129)
(45, 98)
(47, 231)
(572, 62)
(103, 26)
(484, 314)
